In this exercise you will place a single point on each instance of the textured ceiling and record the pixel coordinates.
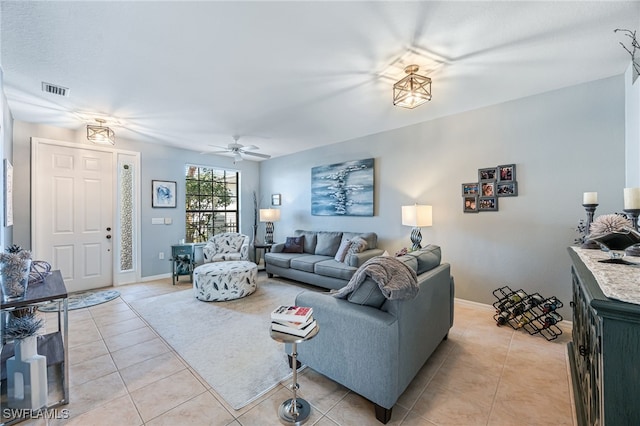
(289, 76)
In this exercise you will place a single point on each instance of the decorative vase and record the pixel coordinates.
(27, 376)
(14, 276)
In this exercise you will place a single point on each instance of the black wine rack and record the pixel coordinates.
(531, 312)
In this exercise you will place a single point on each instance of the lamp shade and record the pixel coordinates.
(417, 215)
(269, 215)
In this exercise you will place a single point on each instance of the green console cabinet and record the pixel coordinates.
(604, 353)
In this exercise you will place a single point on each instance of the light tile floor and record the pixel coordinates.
(123, 373)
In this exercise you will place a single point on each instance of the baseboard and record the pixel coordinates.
(475, 304)
(155, 277)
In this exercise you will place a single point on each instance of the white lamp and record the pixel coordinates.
(269, 216)
(417, 216)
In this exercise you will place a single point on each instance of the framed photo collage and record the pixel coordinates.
(493, 183)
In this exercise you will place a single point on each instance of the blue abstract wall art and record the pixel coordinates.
(343, 189)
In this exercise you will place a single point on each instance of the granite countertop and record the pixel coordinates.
(620, 282)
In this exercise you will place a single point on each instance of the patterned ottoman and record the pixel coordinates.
(224, 280)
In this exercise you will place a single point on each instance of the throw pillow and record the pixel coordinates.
(328, 243)
(294, 244)
(342, 250)
(358, 245)
(368, 294)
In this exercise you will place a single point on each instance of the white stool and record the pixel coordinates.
(218, 281)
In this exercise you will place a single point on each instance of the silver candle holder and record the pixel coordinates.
(633, 214)
(588, 244)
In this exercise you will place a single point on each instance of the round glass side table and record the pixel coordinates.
(294, 411)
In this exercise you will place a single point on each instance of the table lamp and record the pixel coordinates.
(269, 216)
(416, 216)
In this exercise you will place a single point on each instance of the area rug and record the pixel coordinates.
(83, 299)
(227, 343)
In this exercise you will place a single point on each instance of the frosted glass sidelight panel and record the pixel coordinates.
(126, 217)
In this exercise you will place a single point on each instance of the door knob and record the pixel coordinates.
(108, 229)
(108, 237)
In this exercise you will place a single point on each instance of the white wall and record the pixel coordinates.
(632, 128)
(6, 151)
(563, 142)
(157, 162)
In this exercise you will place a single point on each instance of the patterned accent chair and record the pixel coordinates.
(227, 246)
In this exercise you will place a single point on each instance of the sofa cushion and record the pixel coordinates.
(370, 237)
(310, 240)
(342, 250)
(368, 294)
(328, 243)
(428, 258)
(282, 260)
(410, 261)
(294, 245)
(331, 268)
(306, 262)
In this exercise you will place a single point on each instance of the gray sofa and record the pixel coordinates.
(376, 351)
(316, 264)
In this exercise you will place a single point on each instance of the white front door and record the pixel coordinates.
(72, 207)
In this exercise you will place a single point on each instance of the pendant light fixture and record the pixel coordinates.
(413, 90)
(100, 134)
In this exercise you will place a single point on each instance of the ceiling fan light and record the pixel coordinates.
(237, 157)
(413, 90)
(100, 135)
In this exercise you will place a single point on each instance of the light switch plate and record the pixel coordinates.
(157, 221)
(168, 221)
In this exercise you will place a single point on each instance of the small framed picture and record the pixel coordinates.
(470, 204)
(487, 204)
(507, 173)
(507, 189)
(470, 189)
(163, 194)
(487, 189)
(276, 200)
(488, 174)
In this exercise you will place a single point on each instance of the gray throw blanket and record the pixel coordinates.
(396, 280)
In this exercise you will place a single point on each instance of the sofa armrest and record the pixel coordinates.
(244, 251)
(357, 346)
(277, 248)
(357, 259)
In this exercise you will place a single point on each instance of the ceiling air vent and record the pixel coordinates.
(56, 90)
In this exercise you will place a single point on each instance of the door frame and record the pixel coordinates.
(118, 157)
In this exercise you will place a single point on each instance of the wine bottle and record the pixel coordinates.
(551, 319)
(502, 318)
(524, 319)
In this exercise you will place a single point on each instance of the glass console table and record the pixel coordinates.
(53, 345)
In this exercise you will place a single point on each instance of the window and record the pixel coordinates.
(211, 202)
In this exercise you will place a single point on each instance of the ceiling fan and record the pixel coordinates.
(238, 150)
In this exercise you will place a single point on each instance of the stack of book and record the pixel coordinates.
(295, 320)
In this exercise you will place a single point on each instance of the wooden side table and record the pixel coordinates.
(294, 411)
(261, 246)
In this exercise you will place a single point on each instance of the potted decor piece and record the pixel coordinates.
(15, 266)
(26, 370)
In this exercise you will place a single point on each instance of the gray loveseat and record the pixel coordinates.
(375, 346)
(316, 264)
